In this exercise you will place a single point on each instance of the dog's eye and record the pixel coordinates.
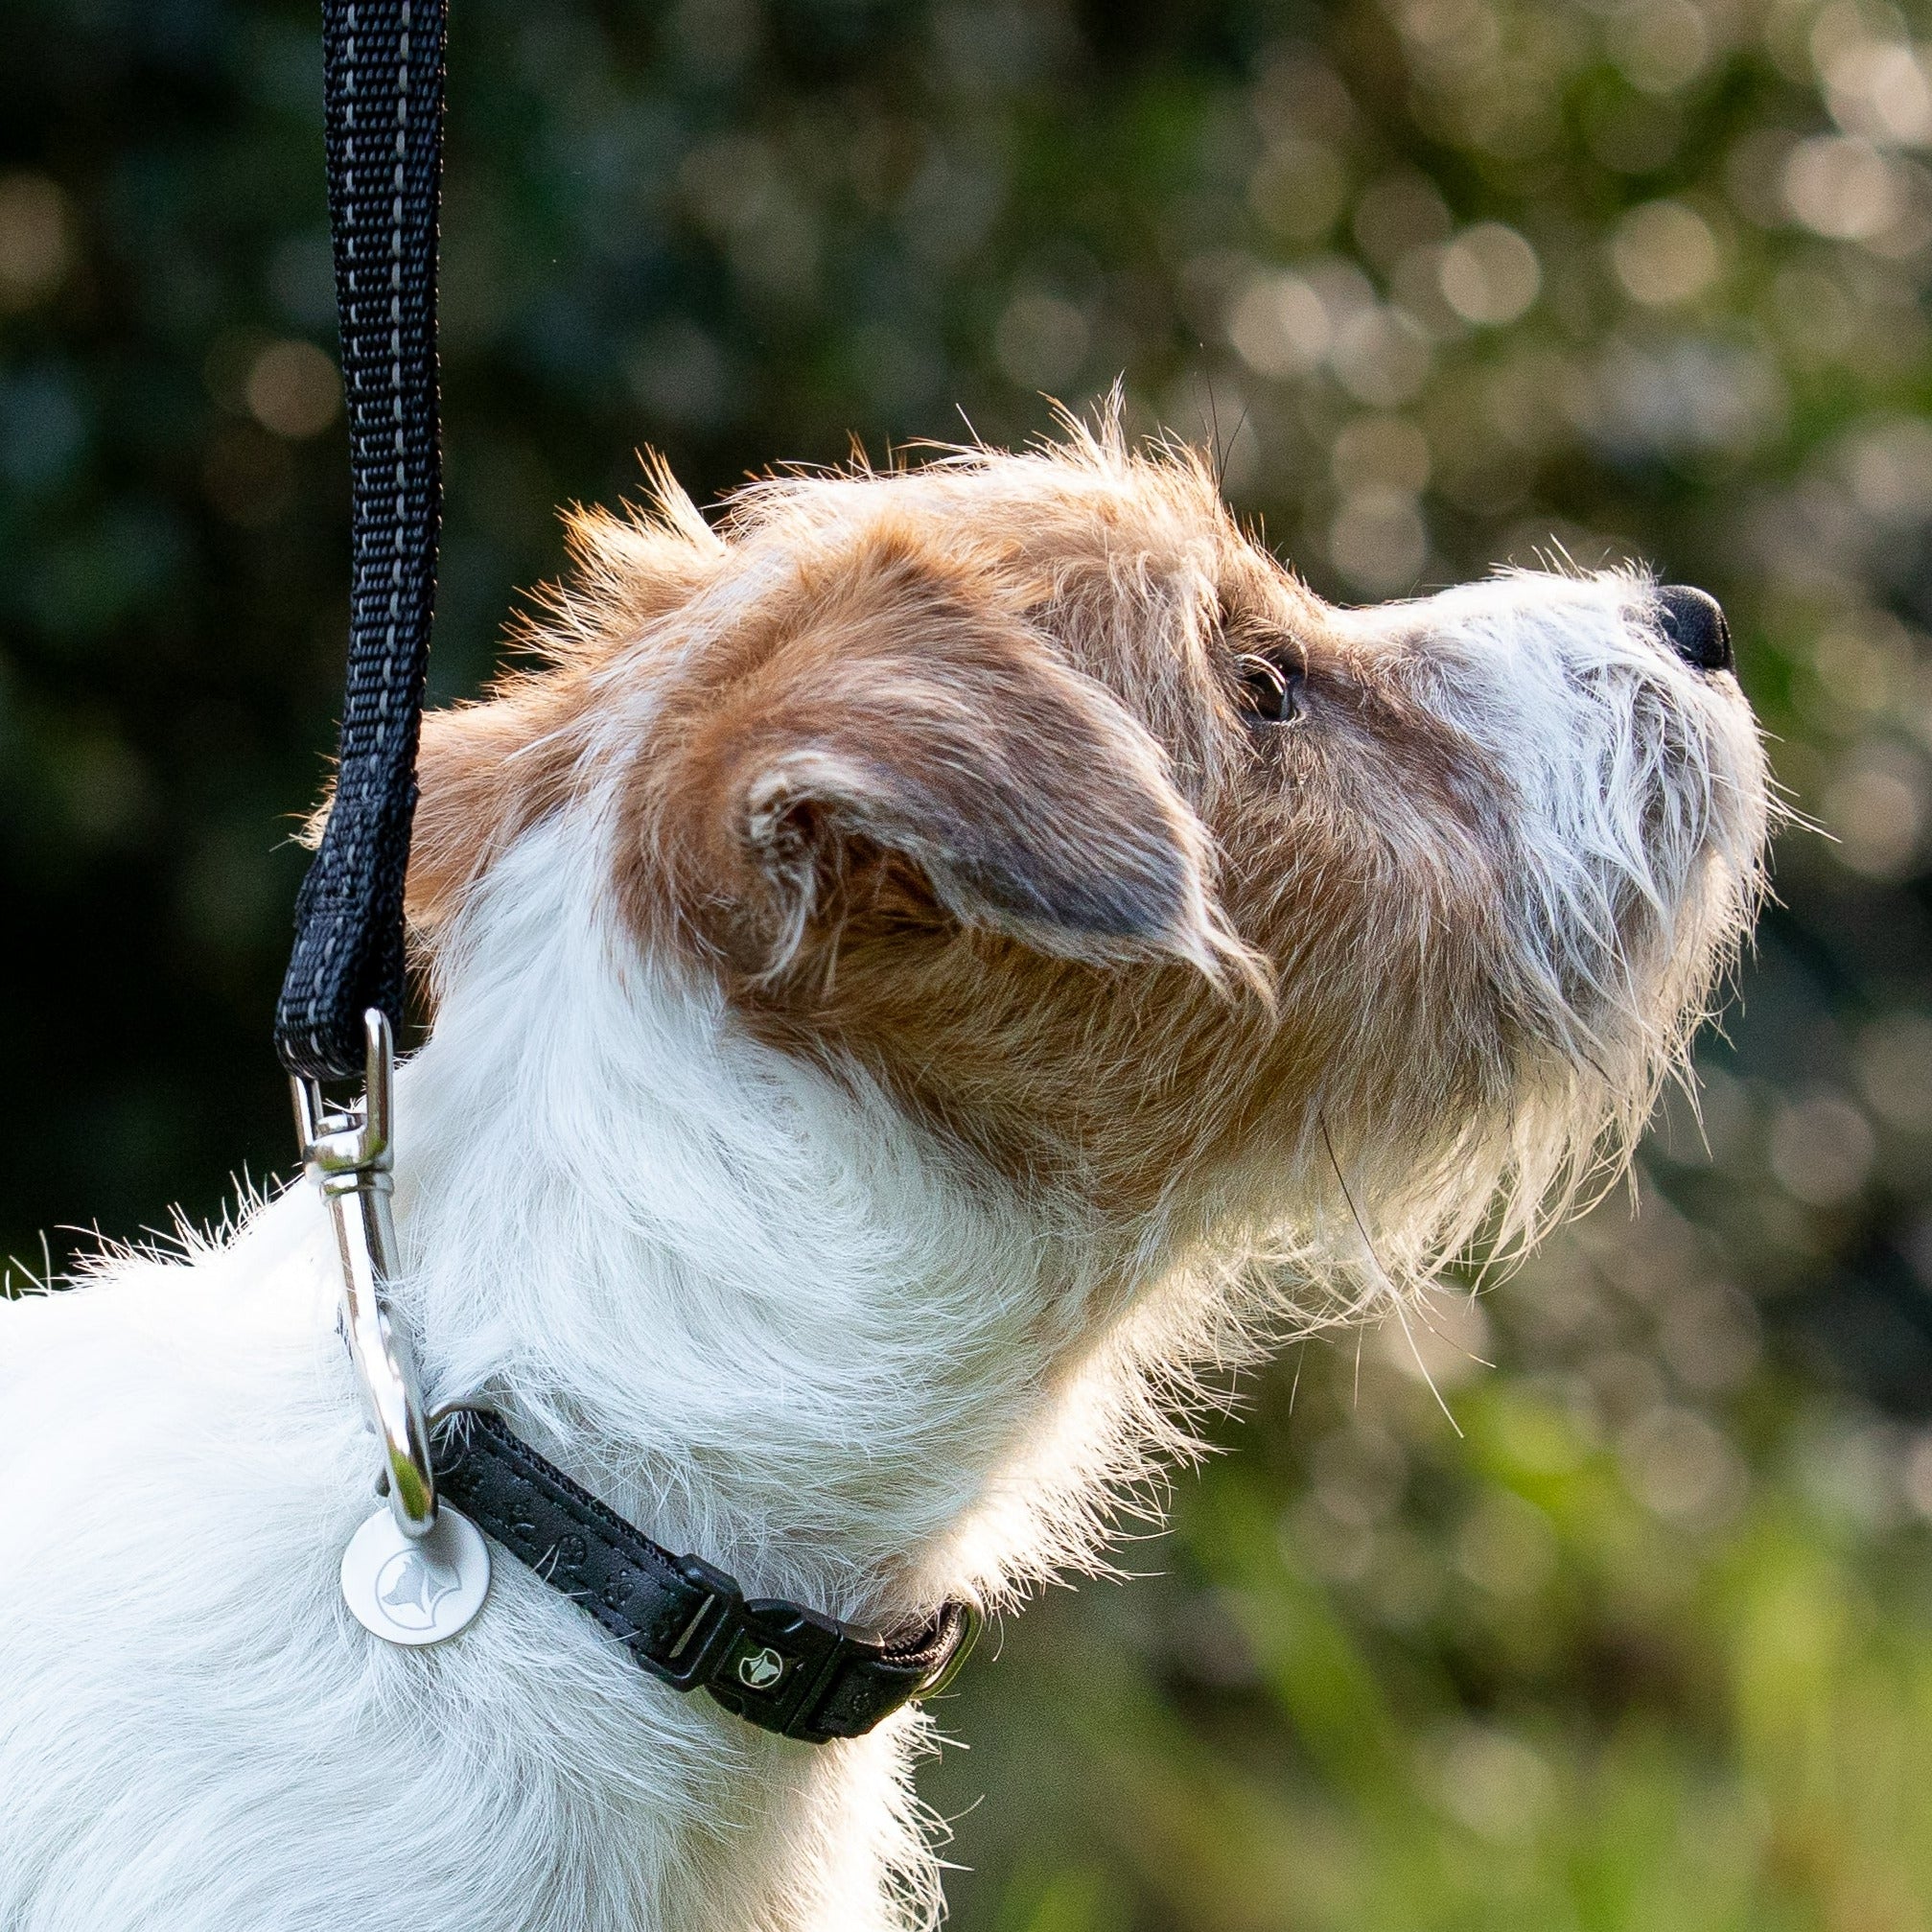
(1270, 693)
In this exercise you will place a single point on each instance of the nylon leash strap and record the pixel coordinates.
(383, 82)
(414, 1573)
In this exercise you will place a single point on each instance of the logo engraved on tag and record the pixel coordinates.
(760, 1669)
(416, 1592)
(410, 1586)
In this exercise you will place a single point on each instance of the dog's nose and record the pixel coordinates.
(1694, 625)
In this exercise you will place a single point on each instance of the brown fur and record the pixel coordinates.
(969, 800)
(489, 770)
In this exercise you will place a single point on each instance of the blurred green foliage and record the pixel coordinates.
(1646, 1646)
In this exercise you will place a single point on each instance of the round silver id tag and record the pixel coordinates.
(408, 1590)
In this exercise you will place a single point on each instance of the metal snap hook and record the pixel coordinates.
(350, 1155)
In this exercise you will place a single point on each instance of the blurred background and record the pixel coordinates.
(1644, 1639)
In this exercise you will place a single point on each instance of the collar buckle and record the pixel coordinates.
(777, 1666)
(766, 1660)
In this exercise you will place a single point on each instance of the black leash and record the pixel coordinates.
(383, 82)
(777, 1664)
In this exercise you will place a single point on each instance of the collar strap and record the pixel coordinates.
(776, 1665)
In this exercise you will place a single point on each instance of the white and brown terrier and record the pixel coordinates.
(924, 951)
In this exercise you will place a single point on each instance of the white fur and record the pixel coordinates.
(1633, 841)
(760, 1314)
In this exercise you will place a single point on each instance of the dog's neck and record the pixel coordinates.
(771, 1322)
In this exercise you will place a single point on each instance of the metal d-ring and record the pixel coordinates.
(350, 1155)
(941, 1678)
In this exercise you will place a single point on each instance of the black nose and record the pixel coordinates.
(1695, 627)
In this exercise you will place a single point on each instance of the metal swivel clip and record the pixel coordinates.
(412, 1574)
(350, 1155)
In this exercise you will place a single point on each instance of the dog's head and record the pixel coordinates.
(1032, 786)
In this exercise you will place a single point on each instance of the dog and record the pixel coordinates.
(927, 961)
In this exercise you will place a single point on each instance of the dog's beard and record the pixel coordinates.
(1625, 836)
(1638, 828)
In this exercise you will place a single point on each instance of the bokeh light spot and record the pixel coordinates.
(1660, 46)
(1679, 1465)
(1041, 340)
(1842, 187)
(1298, 189)
(1381, 357)
(1279, 326)
(35, 244)
(1822, 1149)
(1894, 1061)
(293, 388)
(1664, 253)
(1378, 540)
(1490, 274)
(1492, 1782)
(1876, 810)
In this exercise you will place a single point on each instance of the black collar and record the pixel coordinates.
(774, 1663)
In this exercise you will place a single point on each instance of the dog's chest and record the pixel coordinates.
(193, 1733)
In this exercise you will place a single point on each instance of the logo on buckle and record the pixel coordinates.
(760, 1669)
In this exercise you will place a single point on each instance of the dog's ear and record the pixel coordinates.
(905, 751)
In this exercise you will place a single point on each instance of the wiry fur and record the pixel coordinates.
(897, 1017)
